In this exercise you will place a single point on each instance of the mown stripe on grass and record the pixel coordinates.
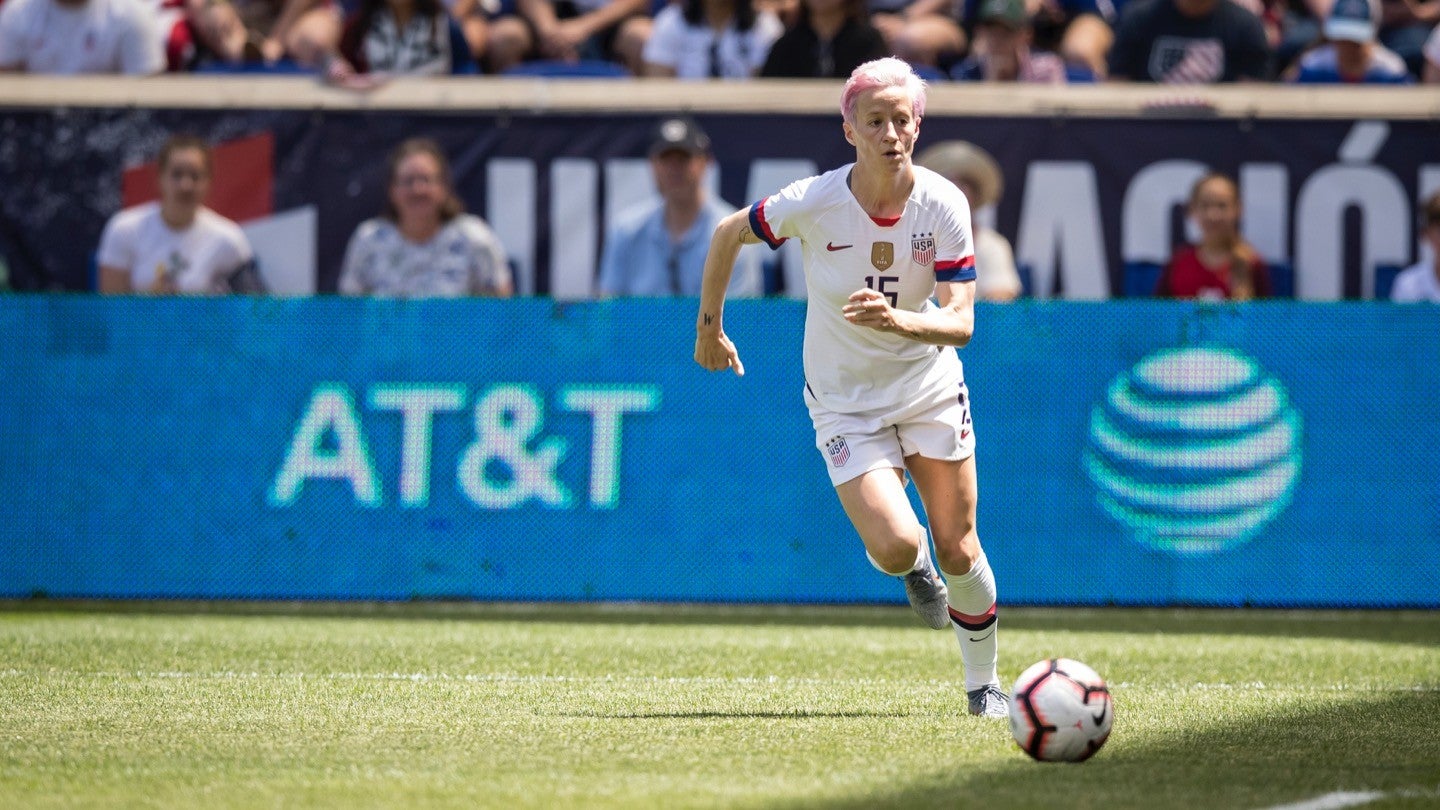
(445, 677)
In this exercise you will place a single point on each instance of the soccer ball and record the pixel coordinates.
(1060, 711)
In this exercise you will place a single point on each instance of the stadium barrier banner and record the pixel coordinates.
(1146, 453)
(1333, 199)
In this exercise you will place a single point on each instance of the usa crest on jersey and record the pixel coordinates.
(838, 451)
(922, 248)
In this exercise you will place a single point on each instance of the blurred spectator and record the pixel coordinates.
(1421, 281)
(1090, 34)
(177, 245)
(978, 176)
(1188, 42)
(1222, 265)
(830, 38)
(1352, 56)
(1291, 28)
(924, 33)
(1081, 31)
(424, 245)
(1001, 49)
(1404, 27)
(572, 30)
(267, 32)
(710, 39)
(658, 248)
(474, 20)
(402, 37)
(79, 36)
(1431, 73)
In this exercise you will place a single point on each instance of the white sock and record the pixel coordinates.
(972, 614)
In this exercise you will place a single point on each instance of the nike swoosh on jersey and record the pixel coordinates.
(982, 638)
(831, 246)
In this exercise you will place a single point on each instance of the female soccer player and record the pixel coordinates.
(885, 389)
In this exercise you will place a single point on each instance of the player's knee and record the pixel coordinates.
(894, 552)
(957, 552)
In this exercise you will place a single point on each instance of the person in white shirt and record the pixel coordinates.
(1421, 281)
(424, 245)
(711, 39)
(883, 383)
(177, 245)
(65, 37)
(977, 174)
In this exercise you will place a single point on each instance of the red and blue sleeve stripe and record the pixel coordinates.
(761, 227)
(961, 269)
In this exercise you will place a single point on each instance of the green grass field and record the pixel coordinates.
(694, 706)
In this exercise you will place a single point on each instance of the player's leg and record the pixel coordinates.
(949, 491)
(895, 542)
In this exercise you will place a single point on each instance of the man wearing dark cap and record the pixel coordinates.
(658, 247)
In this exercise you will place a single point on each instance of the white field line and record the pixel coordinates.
(1354, 798)
(517, 678)
(1333, 801)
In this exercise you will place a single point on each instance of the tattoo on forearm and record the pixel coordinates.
(745, 235)
(709, 319)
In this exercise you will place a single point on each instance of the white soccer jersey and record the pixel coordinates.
(850, 368)
(212, 256)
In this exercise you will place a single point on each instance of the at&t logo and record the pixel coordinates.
(1194, 450)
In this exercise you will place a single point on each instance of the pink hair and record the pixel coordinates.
(878, 74)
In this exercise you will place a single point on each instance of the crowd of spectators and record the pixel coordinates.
(359, 43)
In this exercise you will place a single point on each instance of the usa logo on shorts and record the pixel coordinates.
(922, 248)
(838, 451)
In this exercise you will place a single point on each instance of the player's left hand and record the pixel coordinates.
(869, 308)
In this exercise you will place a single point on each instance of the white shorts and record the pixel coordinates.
(936, 425)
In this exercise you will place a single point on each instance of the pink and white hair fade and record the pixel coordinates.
(879, 74)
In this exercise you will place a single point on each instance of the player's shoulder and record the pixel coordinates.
(935, 192)
(816, 188)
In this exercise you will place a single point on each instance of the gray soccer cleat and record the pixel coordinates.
(989, 701)
(927, 592)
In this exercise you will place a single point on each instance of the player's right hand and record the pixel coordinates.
(715, 352)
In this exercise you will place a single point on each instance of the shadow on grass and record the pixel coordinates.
(1412, 626)
(1381, 742)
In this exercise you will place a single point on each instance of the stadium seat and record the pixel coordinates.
(1027, 280)
(1385, 279)
(1141, 279)
(555, 68)
(284, 67)
(1282, 279)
